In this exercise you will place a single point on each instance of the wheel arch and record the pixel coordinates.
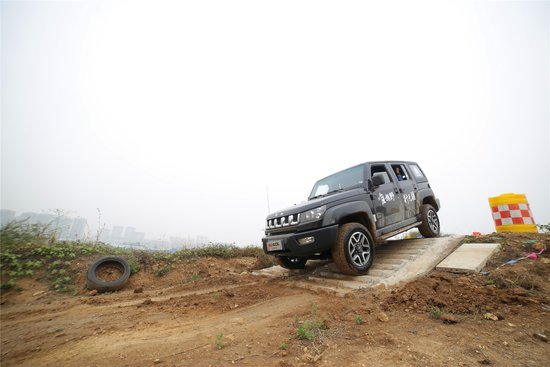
(431, 200)
(352, 212)
(428, 197)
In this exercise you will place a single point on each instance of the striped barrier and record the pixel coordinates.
(511, 213)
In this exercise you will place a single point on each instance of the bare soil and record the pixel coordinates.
(214, 312)
(109, 272)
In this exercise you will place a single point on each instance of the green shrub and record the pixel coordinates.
(26, 248)
(435, 313)
(163, 271)
(219, 341)
(310, 328)
(29, 247)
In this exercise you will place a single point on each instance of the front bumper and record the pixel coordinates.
(324, 238)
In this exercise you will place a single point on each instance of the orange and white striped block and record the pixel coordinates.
(511, 213)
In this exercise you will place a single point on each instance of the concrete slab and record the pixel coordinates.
(468, 258)
(395, 261)
(280, 272)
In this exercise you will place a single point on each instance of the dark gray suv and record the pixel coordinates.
(347, 212)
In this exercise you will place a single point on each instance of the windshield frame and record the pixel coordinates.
(333, 181)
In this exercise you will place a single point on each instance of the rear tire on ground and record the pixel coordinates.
(353, 251)
(292, 262)
(430, 222)
(102, 285)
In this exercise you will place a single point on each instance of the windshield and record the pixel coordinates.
(351, 177)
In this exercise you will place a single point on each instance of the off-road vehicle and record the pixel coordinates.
(351, 210)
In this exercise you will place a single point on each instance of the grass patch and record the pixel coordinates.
(26, 248)
(194, 277)
(435, 313)
(220, 344)
(310, 328)
(29, 247)
(163, 271)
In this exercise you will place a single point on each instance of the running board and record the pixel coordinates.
(393, 233)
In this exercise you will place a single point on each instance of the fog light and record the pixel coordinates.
(306, 240)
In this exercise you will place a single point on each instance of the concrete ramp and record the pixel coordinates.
(395, 261)
(468, 258)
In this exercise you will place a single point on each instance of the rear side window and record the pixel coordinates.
(417, 172)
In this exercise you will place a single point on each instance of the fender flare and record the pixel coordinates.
(336, 213)
(427, 194)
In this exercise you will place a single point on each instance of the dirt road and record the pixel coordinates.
(214, 312)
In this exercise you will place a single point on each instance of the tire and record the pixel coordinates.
(430, 226)
(292, 262)
(101, 285)
(353, 251)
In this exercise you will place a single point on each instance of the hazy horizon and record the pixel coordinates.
(177, 118)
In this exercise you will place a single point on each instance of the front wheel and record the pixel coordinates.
(430, 222)
(292, 262)
(353, 251)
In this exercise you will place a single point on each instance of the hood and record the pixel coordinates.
(315, 203)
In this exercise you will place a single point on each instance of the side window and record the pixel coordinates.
(400, 172)
(417, 172)
(381, 171)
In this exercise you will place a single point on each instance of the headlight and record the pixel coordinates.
(313, 214)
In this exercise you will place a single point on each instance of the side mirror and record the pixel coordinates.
(378, 180)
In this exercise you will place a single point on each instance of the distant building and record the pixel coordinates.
(105, 235)
(177, 242)
(130, 234)
(140, 236)
(6, 216)
(30, 217)
(116, 234)
(45, 219)
(202, 240)
(61, 227)
(78, 229)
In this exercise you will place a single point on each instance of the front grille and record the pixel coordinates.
(286, 221)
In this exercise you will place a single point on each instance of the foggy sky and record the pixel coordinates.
(176, 118)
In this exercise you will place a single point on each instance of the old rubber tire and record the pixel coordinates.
(292, 262)
(93, 282)
(430, 221)
(353, 251)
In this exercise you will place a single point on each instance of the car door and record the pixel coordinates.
(407, 188)
(388, 206)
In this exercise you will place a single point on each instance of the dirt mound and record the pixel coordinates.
(468, 294)
(513, 245)
(497, 288)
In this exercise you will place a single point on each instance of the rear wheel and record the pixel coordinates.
(292, 262)
(430, 222)
(353, 251)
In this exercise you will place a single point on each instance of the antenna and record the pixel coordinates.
(267, 192)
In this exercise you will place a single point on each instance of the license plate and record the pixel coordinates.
(275, 245)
